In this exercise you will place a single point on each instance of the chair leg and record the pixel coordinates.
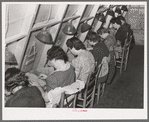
(98, 92)
(121, 67)
(93, 96)
(103, 88)
(62, 100)
(74, 101)
(84, 101)
(122, 63)
(126, 60)
(125, 64)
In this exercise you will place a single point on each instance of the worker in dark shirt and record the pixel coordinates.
(127, 27)
(122, 30)
(22, 95)
(63, 75)
(100, 49)
(124, 25)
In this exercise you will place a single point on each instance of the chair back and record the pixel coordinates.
(67, 101)
(85, 99)
(125, 52)
(127, 43)
(128, 39)
(100, 84)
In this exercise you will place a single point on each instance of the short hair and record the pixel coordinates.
(117, 21)
(57, 53)
(113, 20)
(15, 77)
(76, 43)
(121, 18)
(102, 30)
(93, 36)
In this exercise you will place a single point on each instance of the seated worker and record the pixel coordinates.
(16, 83)
(84, 63)
(109, 39)
(127, 27)
(63, 75)
(121, 33)
(111, 29)
(100, 49)
(124, 25)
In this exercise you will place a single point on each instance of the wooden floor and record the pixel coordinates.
(126, 90)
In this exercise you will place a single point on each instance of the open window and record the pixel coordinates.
(18, 18)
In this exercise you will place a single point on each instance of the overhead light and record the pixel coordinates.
(109, 16)
(69, 29)
(85, 27)
(118, 10)
(110, 13)
(10, 58)
(124, 8)
(44, 36)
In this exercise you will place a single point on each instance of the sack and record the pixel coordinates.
(105, 67)
(54, 96)
(74, 87)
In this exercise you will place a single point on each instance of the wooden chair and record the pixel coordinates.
(121, 63)
(100, 85)
(67, 101)
(112, 68)
(128, 47)
(85, 98)
(100, 90)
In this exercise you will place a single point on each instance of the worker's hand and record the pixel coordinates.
(34, 83)
(118, 43)
(27, 74)
(89, 48)
(42, 76)
(44, 87)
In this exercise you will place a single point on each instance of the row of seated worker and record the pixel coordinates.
(42, 87)
(59, 73)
